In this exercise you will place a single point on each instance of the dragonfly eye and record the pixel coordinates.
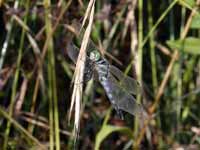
(95, 55)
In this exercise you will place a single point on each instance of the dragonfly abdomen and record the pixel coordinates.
(109, 91)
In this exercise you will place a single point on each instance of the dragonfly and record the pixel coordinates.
(120, 89)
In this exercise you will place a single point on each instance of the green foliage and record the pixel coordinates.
(109, 129)
(187, 3)
(195, 22)
(189, 45)
(36, 74)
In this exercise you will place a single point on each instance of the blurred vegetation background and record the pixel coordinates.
(157, 42)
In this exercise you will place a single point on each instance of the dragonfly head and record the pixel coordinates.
(95, 55)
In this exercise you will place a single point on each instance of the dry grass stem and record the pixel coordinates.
(79, 72)
(22, 94)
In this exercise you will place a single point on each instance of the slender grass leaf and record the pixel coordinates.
(195, 22)
(187, 3)
(108, 129)
(189, 45)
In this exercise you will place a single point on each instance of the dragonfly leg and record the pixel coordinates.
(119, 113)
(107, 71)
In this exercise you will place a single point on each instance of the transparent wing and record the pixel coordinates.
(120, 98)
(125, 82)
(77, 26)
(72, 52)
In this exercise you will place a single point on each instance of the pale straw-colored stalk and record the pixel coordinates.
(79, 70)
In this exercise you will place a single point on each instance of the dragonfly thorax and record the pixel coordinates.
(102, 67)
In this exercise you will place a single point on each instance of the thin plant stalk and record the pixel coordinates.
(15, 81)
(31, 126)
(180, 75)
(152, 51)
(53, 100)
(152, 48)
(139, 55)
